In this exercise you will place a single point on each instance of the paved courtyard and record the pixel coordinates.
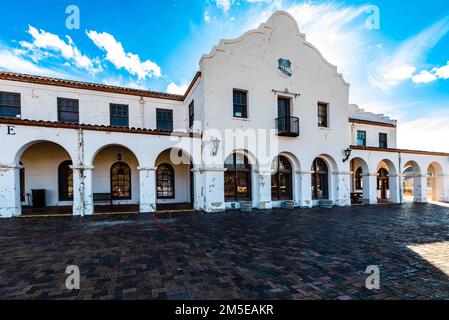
(302, 254)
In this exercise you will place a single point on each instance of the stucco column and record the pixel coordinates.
(213, 192)
(305, 189)
(265, 189)
(395, 181)
(198, 189)
(147, 189)
(82, 191)
(370, 188)
(443, 187)
(343, 192)
(9, 191)
(420, 188)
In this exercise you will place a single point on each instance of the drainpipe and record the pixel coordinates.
(81, 171)
(142, 112)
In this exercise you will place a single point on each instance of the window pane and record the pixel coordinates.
(9, 112)
(240, 104)
(119, 115)
(68, 110)
(164, 120)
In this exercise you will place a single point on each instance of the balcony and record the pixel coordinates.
(287, 126)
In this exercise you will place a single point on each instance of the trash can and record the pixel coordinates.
(38, 198)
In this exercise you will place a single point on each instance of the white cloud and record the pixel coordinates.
(115, 53)
(224, 4)
(407, 55)
(443, 72)
(425, 133)
(46, 44)
(177, 89)
(424, 77)
(11, 60)
(207, 16)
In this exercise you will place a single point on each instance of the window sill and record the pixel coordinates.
(325, 128)
(241, 119)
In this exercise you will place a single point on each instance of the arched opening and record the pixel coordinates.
(115, 180)
(65, 181)
(412, 184)
(282, 179)
(435, 182)
(387, 188)
(174, 180)
(359, 181)
(43, 165)
(237, 178)
(320, 180)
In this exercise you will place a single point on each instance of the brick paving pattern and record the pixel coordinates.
(301, 254)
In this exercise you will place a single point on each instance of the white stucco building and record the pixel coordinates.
(266, 120)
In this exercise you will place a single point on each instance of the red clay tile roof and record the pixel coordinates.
(12, 76)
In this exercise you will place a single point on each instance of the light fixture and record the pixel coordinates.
(119, 156)
(348, 153)
(216, 145)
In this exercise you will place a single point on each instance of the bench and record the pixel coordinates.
(103, 197)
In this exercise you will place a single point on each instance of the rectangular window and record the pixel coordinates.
(383, 140)
(191, 114)
(240, 104)
(164, 120)
(323, 121)
(68, 110)
(361, 138)
(9, 105)
(119, 115)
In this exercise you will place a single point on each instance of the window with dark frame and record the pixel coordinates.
(68, 110)
(119, 114)
(164, 119)
(9, 105)
(359, 179)
(320, 180)
(191, 113)
(65, 178)
(121, 181)
(323, 118)
(240, 109)
(361, 138)
(383, 140)
(237, 178)
(281, 180)
(165, 182)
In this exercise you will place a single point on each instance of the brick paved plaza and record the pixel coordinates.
(302, 254)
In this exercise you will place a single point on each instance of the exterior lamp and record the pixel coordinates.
(119, 156)
(348, 153)
(216, 145)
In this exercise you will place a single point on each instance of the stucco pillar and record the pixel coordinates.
(420, 188)
(213, 191)
(82, 191)
(443, 187)
(9, 191)
(343, 190)
(305, 189)
(370, 188)
(198, 189)
(395, 181)
(265, 189)
(147, 180)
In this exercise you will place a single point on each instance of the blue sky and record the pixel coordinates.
(400, 69)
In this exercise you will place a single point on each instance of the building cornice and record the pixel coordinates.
(88, 127)
(40, 80)
(372, 123)
(418, 152)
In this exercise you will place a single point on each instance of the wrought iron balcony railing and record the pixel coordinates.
(287, 126)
